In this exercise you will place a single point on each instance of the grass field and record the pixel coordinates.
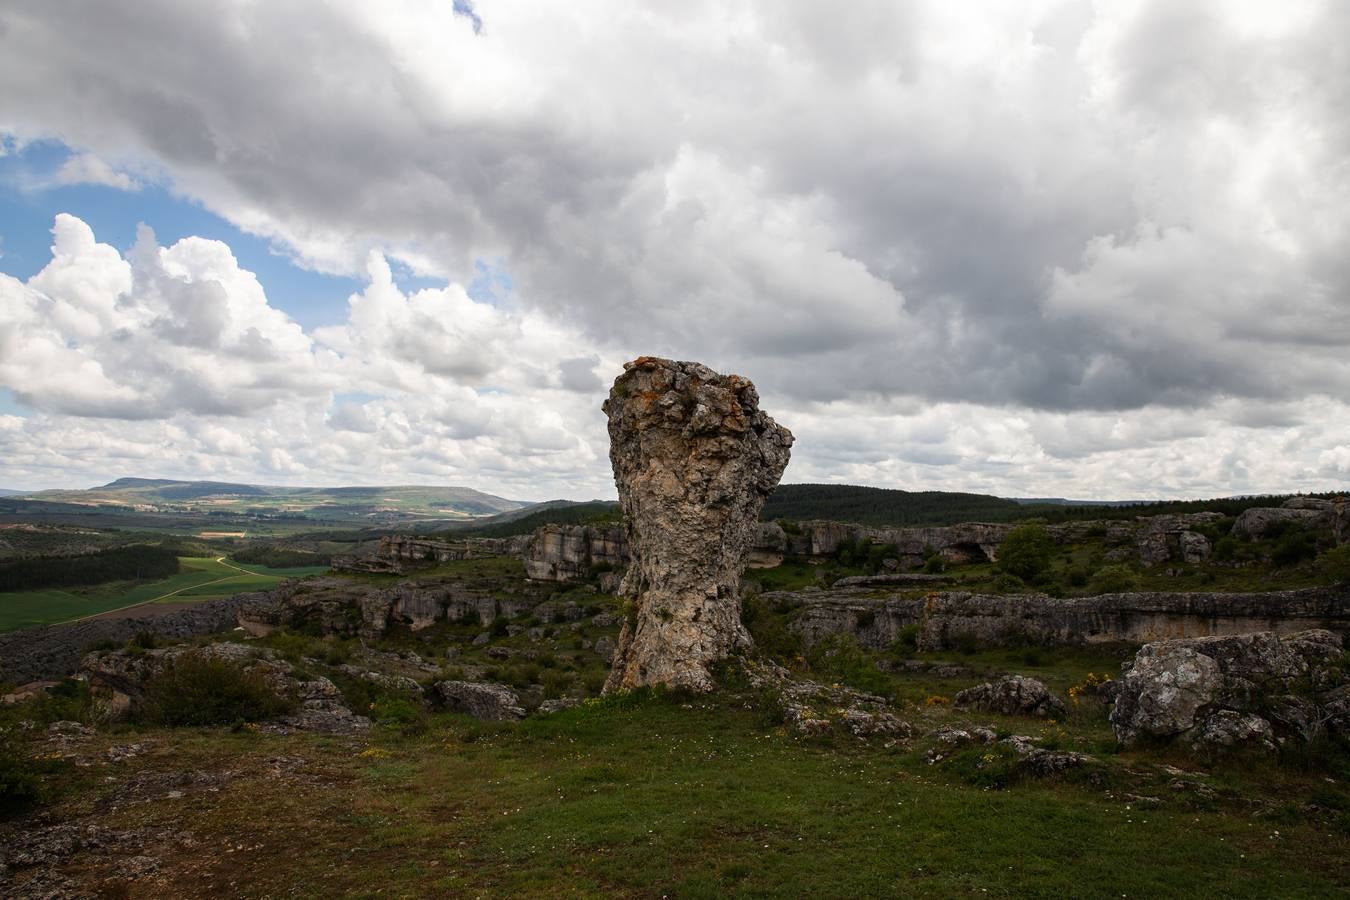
(690, 797)
(201, 578)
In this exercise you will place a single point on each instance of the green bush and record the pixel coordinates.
(1335, 563)
(907, 641)
(499, 627)
(773, 638)
(1078, 577)
(1008, 583)
(839, 657)
(1293, 547)
(934, 565)
(1026, 551)
(200, 690)
(22, 785)
(67, 701)
(1114, 579)
(397, 711)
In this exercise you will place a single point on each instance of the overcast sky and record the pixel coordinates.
(1095, 250)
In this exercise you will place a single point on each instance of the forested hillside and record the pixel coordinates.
(882, 507)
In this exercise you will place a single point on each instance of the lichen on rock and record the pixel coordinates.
(694, 459)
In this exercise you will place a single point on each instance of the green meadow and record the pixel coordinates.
(201, 578)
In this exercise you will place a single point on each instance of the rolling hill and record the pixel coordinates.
(377, 505)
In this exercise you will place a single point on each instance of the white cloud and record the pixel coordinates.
(85, 168)
(1098, 235)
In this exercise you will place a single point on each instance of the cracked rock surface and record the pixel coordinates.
(694, 459)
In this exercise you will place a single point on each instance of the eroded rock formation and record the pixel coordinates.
(694, 459)
(572, 552)
(1249, 690)
(948, 619)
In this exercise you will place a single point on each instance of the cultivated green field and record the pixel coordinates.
(202, 578)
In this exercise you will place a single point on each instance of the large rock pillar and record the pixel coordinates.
(694, 459)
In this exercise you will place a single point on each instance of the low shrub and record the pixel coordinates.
(22, 778)
(200, 690)
(1293, 547)
(839, 657)
(907, 641)
(1114, 579)
(1335, 563)
(773, 638)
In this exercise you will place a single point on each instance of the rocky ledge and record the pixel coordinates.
(948, 618)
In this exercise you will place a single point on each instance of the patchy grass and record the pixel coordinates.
(693, 797)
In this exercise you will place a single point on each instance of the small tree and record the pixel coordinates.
(1026, 551)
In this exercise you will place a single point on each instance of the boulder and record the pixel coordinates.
(492, 702)
(1251, 690)
(694, 459)
(1012, 695)
(1256, 522)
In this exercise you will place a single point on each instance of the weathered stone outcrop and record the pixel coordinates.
(356, 609)
(1170, 538)
(571, 552)
(1307, 512)
(694, 459)
(1250, 690)
(1012, 695)
(493, 702)
(399, 553)
(951, 618)
(566, 552)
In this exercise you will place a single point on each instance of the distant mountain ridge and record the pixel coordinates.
(387, 503)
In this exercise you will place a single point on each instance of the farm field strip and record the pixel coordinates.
(203, 578)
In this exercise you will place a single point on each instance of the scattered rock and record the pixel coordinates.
(813, 708)
(400, 683)
(552, 706)
(1013, 695)
(118, 681)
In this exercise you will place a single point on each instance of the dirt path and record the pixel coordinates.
(108, 613)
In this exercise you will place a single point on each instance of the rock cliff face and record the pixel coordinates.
(569, 552)
(694, 459)
(399, 553)
(952, 618)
